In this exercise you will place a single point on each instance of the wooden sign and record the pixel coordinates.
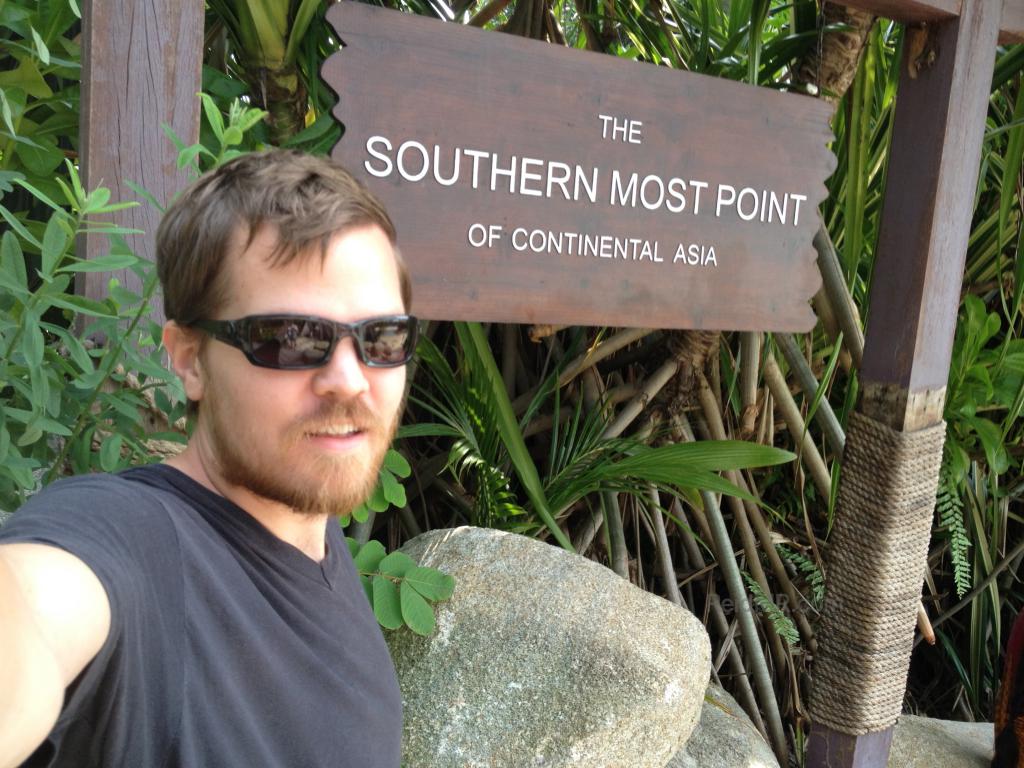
(535, 183)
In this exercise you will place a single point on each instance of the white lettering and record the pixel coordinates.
(620, 193)
(380, 173)
(424, 157)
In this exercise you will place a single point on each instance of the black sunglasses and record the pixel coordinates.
(295, 342)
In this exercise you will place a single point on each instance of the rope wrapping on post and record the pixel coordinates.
(877, 558)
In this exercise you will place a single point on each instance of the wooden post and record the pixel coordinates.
(141, 64)
(936, 148)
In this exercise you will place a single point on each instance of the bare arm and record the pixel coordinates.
(54, 618)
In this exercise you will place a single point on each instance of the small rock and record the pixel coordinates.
(724, 738)
(544, 658)
(921, 742)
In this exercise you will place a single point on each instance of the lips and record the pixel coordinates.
(336, 431)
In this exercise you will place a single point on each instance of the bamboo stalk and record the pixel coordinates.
(593, 397)
(665, 567)
(750, 362)
(748, 631)
(408, 520)
(824, 415)
(839, 295)
(616, 534)
(488, 12)
(827, 316)
(538, 332)
(654, 384)
(809, 455)
(360, 531)
(744, 693)
(509, 358)
(715, 428)
(980, 587)
(588, 359)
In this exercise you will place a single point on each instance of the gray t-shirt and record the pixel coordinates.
(228, 647)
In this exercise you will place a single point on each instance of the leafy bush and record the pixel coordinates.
(84, 387)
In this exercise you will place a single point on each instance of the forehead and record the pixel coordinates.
(356, 277)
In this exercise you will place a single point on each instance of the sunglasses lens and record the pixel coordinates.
(290, 342)
(388, 341)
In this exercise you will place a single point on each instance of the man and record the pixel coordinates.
(205, 611)
(1009, 719)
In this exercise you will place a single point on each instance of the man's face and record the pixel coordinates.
(310, 439)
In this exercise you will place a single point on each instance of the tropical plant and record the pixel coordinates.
(84, 386)
(39, 95)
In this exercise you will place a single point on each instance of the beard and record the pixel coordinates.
(290, 472)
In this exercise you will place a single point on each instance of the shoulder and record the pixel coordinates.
(87, 502)
(117, 526)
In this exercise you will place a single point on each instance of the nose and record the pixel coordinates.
(343, 375)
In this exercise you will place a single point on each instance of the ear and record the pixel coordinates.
(183, 347)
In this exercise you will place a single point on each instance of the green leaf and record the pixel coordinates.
(145, 194)
(386, 603)
(396, 564)
(353, 546)
(32, 343)
(16, 225)
(12, 263)
(5, 442)
(393, 490)
(81, 305)
(27, 77)
(474, 344)
(30, 436)
(396, 463)
(430, 583)
(416, 612)
(108, 262)
(53, 427)
(369, 556)
(188, 155)
(213, 117)
(41, 50)
(96, 200)
(378, 501)
(41, 156)
(5, 112)
(110, 452)
(40, 197)
(55, 240)
(232, 136)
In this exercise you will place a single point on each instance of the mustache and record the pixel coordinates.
(330, 414)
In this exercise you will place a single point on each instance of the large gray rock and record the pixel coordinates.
(724, 738)
(544, 658)
(921, 742)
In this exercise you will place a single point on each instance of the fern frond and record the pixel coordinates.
(950, 507)
(784, 626)
(811, 572)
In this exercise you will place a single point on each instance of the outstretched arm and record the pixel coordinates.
(54, 618)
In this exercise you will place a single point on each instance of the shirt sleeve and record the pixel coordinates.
(123, 533)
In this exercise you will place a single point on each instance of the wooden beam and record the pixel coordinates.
(915, 290)
(141, 65)
(926, 215)
(919, 11)
(1013, 22)
(908, 11)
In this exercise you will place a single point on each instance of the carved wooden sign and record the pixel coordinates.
(539, 184)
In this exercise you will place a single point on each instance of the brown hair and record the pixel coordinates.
(306, 199)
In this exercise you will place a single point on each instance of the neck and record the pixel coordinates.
(305, 532)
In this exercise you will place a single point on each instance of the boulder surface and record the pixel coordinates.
(545, 658)
(922, 742)
(724, 738)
